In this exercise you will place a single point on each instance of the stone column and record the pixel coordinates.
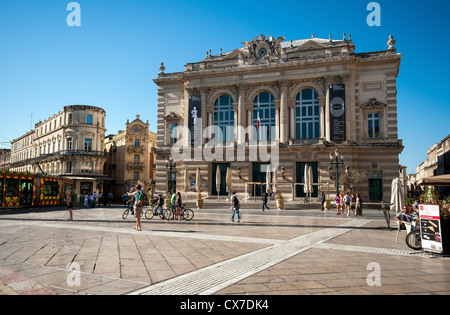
(210, 115)
(203, 92)
(292, 119)
(241, 114)
(283, 112)
(322, 102)
(236, 122)
(249, 108)
(277, 120)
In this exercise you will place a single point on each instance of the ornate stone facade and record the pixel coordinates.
(130, 157)
(69, 144)
(288, 83)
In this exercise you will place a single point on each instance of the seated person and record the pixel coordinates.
(404, 217)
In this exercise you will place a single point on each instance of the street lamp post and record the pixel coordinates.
(170, 165)
(337, 164)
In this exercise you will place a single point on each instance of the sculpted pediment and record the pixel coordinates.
(172, 117)
(373, 103)
(310, 45)
(233, 54)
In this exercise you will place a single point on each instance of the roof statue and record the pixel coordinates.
(391, 42)
(162, 68)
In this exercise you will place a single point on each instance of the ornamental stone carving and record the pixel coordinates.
(373, 103)
(262, 50)
(391, 42)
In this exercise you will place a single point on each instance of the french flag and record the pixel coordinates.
(258, 123)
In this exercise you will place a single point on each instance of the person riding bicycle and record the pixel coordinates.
(159, 202)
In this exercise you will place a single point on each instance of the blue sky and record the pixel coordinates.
(111, 60)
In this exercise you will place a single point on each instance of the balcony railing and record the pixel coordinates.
(82, 152)
(136, 149)
(78, 172)
(135, 166)
(57, 154)
(70, 153)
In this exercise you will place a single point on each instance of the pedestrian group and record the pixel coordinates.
(347, 203)
(344, 203)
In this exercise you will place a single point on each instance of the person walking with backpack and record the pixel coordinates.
(235, 207)
(264, 199)
(348, 203)
(138, 204)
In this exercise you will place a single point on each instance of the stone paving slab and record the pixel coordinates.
(345, 272)
(286, 253)
(15, 284)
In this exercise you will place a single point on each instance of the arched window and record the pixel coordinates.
(264, 107)
(307, 115)
(224, 119)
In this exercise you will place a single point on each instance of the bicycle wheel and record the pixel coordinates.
(149, 214)
(413, 240)
(188, 214)
(125, 214)
(168, 214)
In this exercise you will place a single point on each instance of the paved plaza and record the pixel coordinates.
(292, 252)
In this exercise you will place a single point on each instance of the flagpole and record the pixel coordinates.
(259, 124)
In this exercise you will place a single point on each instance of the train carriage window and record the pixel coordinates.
(12, 188)
(51, 189)
(26, 195)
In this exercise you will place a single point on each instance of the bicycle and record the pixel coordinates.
(150, 213)
(129, 208)
(413, 240)
(186, 214)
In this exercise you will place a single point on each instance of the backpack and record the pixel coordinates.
(235, 200)
(347, 200)
(141, 199)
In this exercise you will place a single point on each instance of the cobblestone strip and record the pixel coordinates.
(214, 278)
(377, 250)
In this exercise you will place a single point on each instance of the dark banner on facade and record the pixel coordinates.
(195, 118)
(337, 112)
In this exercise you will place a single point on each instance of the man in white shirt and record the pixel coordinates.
(348, 203)
(136, 193)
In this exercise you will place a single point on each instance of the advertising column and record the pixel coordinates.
(430, 228)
